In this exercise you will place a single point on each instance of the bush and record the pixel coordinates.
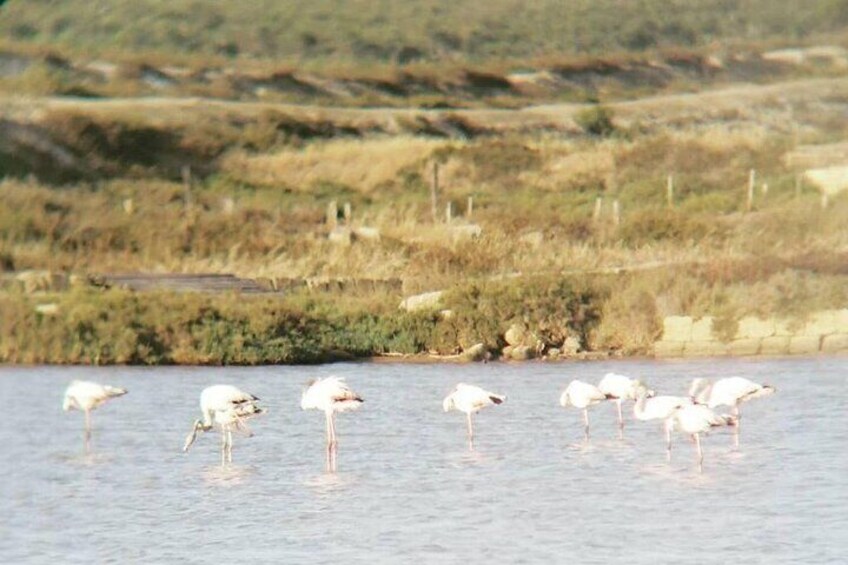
(596, 120)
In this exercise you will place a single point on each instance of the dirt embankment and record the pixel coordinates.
(61, 139)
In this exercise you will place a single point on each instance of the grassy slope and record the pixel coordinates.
(534, 174)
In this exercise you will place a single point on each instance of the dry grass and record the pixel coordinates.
(363, 165)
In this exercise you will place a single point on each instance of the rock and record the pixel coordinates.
(804, 345)
(745, 346)
(702, 329)
(553, 353)
(476, 352)
(705, 349)
(829, 180)
(515, 335)
(446, 314)
(47, 309)
(34, 281)
(341, 236)
(750, 327)
(669, 348)
(523, 353)
(677, 328)
(506, 352)
(425, 301)
(835, 343)
(774, 345)
(366, 234)
(826, 322)
(570, 347)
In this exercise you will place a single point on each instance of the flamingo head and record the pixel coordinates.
(448, 404)
(641, 389)
(697, 389)
(68, 403)
(197, 427)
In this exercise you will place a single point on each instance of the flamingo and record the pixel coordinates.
(582, 395)
(229, 408)
(730, 391)
(86, 396)
(695, 419)
(659, 408)
(470, 399)
(330, 395)
(619, 388)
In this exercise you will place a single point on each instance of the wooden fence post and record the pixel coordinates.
(669, 191)
(752, 179)
(470, 209)
(448, 212)
(616, 213)
(596, 214)
(186, 173)
(332, 214)
(434, 190)
(348, 213)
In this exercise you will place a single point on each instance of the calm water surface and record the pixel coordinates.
(407, 486)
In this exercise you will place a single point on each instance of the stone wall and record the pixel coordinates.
(825, 332)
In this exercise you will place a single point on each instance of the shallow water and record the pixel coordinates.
(407, 487)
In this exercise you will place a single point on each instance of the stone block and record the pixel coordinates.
(702, 329)
(787, 328)
(669, 348)
(426, 301)
(745, 346)
(804, 344)
(751, 327)
(705, 349)
(677, 328)
(775, 345)
(835, 343)
(826, 322)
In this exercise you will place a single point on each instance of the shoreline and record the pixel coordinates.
(428, 359)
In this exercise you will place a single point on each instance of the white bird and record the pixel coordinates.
(229, 408)
(649, 408)
(86, 396)
(330, 395)
(619, 388)
(730, 391)
(582, 395)
(470, 399)
(696, 419)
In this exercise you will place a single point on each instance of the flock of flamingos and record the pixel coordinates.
(229, 408)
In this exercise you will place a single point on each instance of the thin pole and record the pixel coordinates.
(434, 190)
(752, 179)
(669, 191)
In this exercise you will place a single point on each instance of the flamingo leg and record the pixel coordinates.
(470, 427)
(229, 446)
(87, 425)
(586, 423)
(329, 429)
(700, 452)
(667, 441)
(333, 430)
(620, 419)
(223, 446)
(738, 425)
